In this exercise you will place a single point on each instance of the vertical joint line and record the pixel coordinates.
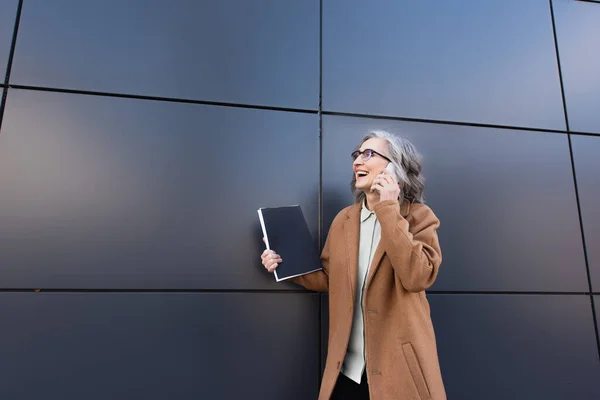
(2, 104)
(595, 322)
(320, 117)
(585, 255)
(560, 77)
(10, 60)
(582, 232)
(13, 42)
(320, 200)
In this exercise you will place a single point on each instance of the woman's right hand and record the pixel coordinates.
(270, 259)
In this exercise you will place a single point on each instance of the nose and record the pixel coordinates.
(358, 161)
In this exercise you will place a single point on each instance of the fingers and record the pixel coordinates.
(271, 264)
(377, 187)
(387, 176)
(383, 180)
(269, 255)
(270, 260)
(265, 254)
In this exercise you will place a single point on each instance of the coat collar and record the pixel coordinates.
(365, 212)
(352, 237)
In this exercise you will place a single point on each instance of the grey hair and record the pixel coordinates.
(407, 167)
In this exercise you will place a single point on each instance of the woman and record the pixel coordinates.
(380, 256)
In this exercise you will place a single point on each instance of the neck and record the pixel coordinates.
(371, 198)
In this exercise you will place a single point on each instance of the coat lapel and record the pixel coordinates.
(351, 236)
(380, 251)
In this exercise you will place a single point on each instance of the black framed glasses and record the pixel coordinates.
(366, 154)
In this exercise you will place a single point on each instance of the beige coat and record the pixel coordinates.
(401, 355)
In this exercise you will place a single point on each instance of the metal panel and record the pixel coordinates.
(586, 150)
(475, 61)
(578, 37)
(260, 52)
(159, 346)
(324, 329)
(596, 302)
(8, 13)
(101, 192)
(499, 347)
(505, 199)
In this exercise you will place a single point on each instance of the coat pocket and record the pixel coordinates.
(415, 370)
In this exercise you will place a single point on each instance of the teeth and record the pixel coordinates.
(361, 173)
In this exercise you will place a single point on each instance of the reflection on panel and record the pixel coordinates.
(578, 37)
(120, 193)
(260, 52)
(505, 200)
(586, 150)
(8, 13)
(516, 347)
(476, 61)
(159, 346)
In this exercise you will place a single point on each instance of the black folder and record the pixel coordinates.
(286, 232)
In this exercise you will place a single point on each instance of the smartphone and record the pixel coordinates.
(390, 168)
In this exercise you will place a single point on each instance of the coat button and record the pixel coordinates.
(375, 372)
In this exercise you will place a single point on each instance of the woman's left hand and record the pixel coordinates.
(386, 186)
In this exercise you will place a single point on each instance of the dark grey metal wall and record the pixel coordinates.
(138, 138)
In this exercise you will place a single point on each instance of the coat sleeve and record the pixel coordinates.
(414, 249)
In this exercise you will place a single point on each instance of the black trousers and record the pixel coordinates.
(346, 389)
